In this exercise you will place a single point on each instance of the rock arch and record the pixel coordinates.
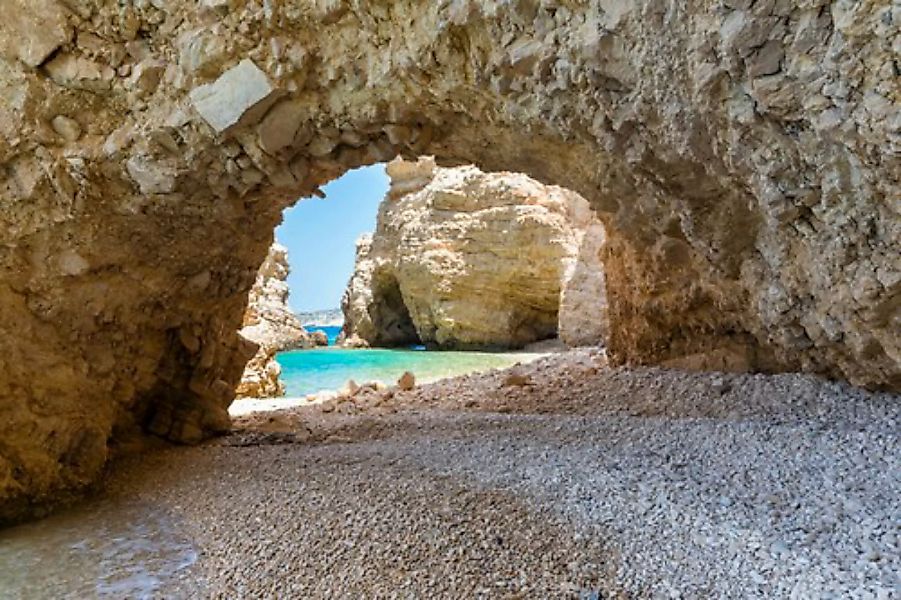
(743, 156)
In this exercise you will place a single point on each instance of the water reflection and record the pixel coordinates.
(98, 551)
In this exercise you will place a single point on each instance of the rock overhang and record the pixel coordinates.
(742, 158)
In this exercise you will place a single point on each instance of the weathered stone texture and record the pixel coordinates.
(243, 93)
(271, 324)
(31, 30)
(466, 259)
(744, 158)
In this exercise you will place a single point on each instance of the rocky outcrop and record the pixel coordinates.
(262, 376)
(743, 157)
(272, 325)
(268, 320)
(466, 259)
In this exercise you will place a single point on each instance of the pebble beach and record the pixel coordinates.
(561, 478)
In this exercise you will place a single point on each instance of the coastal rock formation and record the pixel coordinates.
(743, 157)
(466, 259)
(262, 376)
(272, 325)
(268, 320)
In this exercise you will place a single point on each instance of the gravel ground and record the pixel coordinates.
(562, 479)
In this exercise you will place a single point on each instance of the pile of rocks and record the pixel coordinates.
(354, 397)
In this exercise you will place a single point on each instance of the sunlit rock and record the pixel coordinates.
(241, 94)
(466, 259)
(271, 324)
(751, 211)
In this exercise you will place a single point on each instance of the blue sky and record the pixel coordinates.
(321, 236)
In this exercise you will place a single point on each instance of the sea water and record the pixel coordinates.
(103, 549)
(311, 371)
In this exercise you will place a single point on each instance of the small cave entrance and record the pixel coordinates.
(390, 315)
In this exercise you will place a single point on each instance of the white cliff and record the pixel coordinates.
(466, 259)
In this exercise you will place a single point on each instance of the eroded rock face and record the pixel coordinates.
(262, 376)
(744, 158)
(271, 324)
(466, 259)
(268, 320)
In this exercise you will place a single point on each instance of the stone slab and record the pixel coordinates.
(240, 96)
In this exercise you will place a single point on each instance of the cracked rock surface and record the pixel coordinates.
(271, 324)
(465, 259)
(743, 157)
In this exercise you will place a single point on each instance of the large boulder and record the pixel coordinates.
(466, 259)
(262, 376)
(268, 320)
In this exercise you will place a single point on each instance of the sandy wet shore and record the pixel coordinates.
(566, 479)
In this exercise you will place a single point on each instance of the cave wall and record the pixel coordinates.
(744, 157)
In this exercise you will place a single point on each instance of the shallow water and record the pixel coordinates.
(311, 371)
(103, 550)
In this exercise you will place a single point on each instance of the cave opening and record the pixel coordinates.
(142, 178)
(466, 264)
(391, 317)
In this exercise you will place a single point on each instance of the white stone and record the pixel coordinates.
(152, 177)
(240, 94)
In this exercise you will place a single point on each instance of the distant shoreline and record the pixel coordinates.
(330, 317)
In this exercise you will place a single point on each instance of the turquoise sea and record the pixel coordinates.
(310, 371)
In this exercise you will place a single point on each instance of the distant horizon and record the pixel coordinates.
(321, 236)
(315, 310)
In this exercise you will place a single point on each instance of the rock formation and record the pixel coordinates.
(743, 157)
(466, 259)
(272, 325)
(262, 376)
(268, 320)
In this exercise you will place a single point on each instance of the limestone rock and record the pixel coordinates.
(516, 379)
(77, 72)
(465, 259)
(262, 376)
(240, 95)
(407, 381)
(146, 75)
(745, 209)
(31, 30)
(67, 128)
(273, 326)
(582, 318)
(318, 338)
(152, 176)
(280, 126)
(268, 319)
